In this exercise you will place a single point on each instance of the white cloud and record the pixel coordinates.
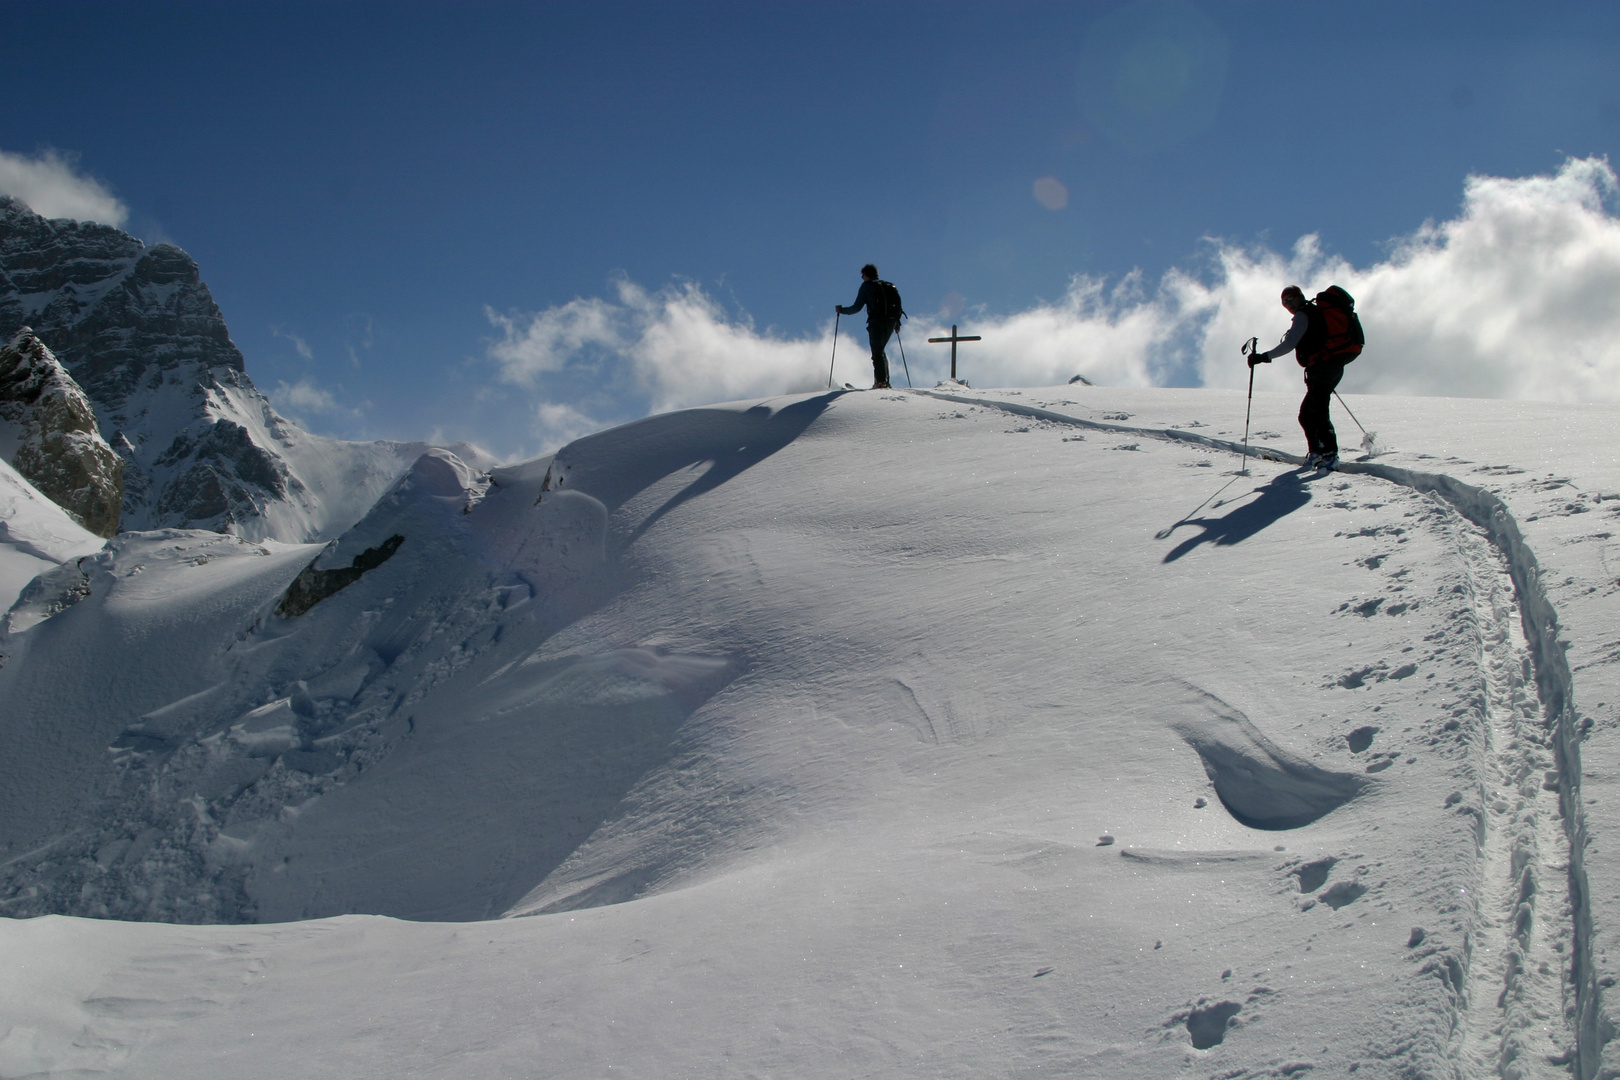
(300, 346)
(50, 183)
(1118, 336)
(304, 396)
(359, 334)
(675, 347)
(558, 425)
(552, 339)
(1514, 297)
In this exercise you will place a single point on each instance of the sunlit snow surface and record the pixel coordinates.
(35, 534)
(860, 734)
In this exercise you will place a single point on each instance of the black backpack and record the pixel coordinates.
(889, 297)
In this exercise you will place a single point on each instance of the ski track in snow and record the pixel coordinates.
(1517, 982)
(1518, 978)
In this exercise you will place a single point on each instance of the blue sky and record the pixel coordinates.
(365, 184)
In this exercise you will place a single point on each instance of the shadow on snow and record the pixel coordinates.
(615, 466)
(1277, 499)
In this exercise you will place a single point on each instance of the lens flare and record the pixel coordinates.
(1152, 73)
(1050, 193)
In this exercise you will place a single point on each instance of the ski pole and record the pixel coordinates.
(1369, 439)
(1248, 350)
(1347, 409)
(834, 360)
(903, 363)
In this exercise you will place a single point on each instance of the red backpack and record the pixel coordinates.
(1343, 339)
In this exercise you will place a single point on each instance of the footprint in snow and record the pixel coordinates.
(1353, 679)
(1207, 1024)
(1313, 875)
(1361, 738)
(1341, 893)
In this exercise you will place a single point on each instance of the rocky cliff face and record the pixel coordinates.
(137, 329)
(48, 433)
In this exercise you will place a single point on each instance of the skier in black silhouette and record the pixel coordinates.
(880, 323)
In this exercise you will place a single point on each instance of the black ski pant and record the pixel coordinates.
(879, 334)
(1320, 381)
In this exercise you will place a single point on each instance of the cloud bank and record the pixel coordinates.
(52, 186)
(669, 349)
(1514, 297)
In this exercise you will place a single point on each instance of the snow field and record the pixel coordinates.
(801, 726)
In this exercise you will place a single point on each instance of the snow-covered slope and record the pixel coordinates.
(877, 734)
(36, 535)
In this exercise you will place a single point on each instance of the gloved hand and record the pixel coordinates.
(1258, 358)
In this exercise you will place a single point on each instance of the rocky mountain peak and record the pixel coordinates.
(139, 331)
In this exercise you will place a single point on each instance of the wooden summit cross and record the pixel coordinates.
(953, 339)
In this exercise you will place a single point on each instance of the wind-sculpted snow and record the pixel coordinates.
(865, 734)
(1259, 783)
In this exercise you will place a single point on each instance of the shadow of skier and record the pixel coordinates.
(1279, 498)
(614, 466)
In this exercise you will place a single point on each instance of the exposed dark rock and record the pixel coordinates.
(221, 474)
(51, 435)
(313, 585)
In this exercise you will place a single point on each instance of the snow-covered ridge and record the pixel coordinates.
(843, 733)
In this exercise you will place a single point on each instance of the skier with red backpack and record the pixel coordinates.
(1324, 336)
(883, 313)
